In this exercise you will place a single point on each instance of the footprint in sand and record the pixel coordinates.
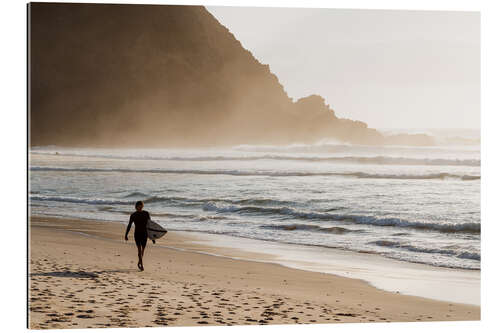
(85, 316)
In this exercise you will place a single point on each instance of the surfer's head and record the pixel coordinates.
(139, 205)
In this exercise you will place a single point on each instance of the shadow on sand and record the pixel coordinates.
(81, 274)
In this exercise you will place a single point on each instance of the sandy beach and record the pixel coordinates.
(83, 275)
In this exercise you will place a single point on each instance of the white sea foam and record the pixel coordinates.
(442, 175)
(382, 160)
(450, 252)
(358, 219)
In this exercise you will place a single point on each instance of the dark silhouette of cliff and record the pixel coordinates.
(149, 75)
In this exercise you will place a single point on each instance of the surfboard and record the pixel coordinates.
(155, 230)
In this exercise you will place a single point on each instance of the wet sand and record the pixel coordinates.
(83, 274)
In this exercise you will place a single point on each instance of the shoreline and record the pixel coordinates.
(388, 274)
(413, 279)
(78, 265)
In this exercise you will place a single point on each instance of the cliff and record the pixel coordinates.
(149, 75)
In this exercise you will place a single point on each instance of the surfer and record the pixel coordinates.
(140, 218)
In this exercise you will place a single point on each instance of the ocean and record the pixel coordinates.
(413, 204)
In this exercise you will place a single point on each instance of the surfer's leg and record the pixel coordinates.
(139, 251)
(143, 243)
(139, 254)
(143, 247)
(140, 241)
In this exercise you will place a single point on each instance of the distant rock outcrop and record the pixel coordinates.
(149, 75)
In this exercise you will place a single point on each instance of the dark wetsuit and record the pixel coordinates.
(140, 219)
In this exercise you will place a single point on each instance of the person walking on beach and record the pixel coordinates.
(140, 218)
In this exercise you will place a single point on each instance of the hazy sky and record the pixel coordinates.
(391, 69)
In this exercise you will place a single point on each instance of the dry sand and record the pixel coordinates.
(83, 274)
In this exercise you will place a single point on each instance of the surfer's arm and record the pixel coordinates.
(128, 227)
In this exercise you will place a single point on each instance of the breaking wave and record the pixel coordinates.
(93, 201)
(473, 228)
(441, 175)
(308, 227)
(263, 206)
(158, 199)
(383, 160)
(413, 248)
